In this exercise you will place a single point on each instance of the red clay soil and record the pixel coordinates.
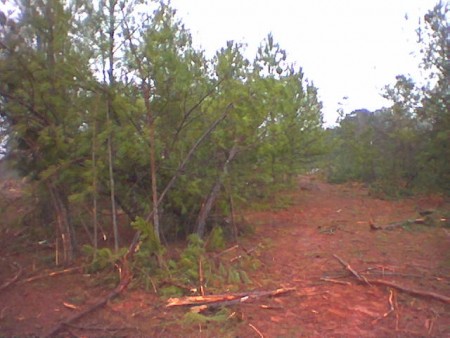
(295, 246)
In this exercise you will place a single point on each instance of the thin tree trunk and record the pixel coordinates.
(112, 193)
(62, 223)
(212, 197)
(156, 227)
(94, 183)
(232, 210)
(59, 206)
(146, 93)
(112, 4)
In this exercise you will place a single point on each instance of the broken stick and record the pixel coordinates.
(51, 274)
(256, 330)
(391, 308)
(121, 287)
(349, 268)
(414, 292)
(14, 279)
(331, 280)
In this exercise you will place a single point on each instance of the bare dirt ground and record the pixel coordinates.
(295, 246)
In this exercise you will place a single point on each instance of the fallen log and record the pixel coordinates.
(224, 298)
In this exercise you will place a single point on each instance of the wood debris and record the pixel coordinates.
(15, 278)
(213, 301)
(411, 291)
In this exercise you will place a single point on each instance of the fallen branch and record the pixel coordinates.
(391, 307)
(414, 292)
(218, 304)
(51, 274)
(392, 226)
(349, 268)
(113, 294)
(212, 299)
(14, 279)
(256, 330)
(227, 250)
(247, 252)
(331, 280)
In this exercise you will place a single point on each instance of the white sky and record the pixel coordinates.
(347, 48)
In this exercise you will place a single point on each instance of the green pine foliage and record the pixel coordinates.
(150, 250)
(60, 109)
(216, 240)
(101, 259)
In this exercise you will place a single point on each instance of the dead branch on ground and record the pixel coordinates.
(256, 330)
(413, 292)
(15, 278)
(247, 252)
(394, 225)
(218, 304)
(51, 274)
(225, 298)
(349, 268)
(331, 280)
(227, 250)
(391, 307)
(125, 279)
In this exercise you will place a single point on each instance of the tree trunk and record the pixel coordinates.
(212, 197)
(62, 223)
(156, 227)
(94, 184)
(109, 113)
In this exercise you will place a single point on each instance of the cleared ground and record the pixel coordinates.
(296, 245)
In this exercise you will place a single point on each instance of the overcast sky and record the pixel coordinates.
(349, 48)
